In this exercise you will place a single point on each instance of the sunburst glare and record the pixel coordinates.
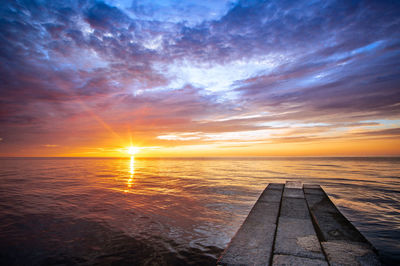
(132, 150)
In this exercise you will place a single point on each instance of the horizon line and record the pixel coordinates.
(196, 157)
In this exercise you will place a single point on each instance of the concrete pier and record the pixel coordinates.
(294, 224)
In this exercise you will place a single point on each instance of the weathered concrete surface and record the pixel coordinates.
(275, 186)
(342, 243)
(293, 193)
(294, 208)
(252, 245)
(311, 186)
(273, 193)
(294, 184)
(297, 237)
(315, 189)
(307, 220)
(295, 233)
(349, 253)
(330, 222)
(296, 261)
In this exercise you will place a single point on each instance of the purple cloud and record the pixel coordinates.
(248, 63)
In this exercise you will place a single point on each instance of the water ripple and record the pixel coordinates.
(172, 211)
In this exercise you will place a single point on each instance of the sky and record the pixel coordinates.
(199, 78)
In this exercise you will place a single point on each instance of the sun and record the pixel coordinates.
(132, 150)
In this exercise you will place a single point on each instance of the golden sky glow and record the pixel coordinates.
(349, 144)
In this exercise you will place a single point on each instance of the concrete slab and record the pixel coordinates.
(262, 213)
(349, 253)
(297, 233)
(341, 241)
(275, 186)
(294, 184)
(311, 186)
(294, 208)
(271, 194)
(316, 191)
(252, 244)
(330, 223)
(297, 237)
(293, 193)
(296, 261)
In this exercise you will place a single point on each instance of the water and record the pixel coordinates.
(172, 211)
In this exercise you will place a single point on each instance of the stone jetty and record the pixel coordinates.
(296, 224)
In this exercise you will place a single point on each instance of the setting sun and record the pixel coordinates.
(133, 150)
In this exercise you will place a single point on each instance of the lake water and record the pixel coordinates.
(172, 211)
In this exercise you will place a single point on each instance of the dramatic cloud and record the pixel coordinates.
(97, 75)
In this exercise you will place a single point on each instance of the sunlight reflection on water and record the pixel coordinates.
(173, 211)
(131, 172)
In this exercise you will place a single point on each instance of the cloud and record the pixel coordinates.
(389, 132)
(51, 145)
(166, 68)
